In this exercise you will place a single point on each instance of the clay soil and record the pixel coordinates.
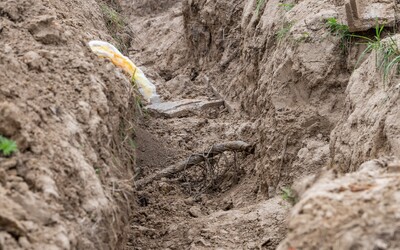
(271, 77)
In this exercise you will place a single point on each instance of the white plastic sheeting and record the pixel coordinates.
(106, 50)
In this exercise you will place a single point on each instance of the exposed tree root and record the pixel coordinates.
(194, 159)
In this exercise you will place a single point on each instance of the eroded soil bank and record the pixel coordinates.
(268, 73)
(70, 185)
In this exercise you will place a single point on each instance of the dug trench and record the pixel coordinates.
(281, 77)
(261, 109)
(210, 204)
(201, 55)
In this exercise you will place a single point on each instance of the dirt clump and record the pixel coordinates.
(369, 127)
(355, 211)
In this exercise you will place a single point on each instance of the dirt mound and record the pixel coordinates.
(356, 211)
(369, 127)
(68, 112)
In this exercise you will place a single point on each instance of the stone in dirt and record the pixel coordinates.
(195, 212)
(182, 108)
(363, 15)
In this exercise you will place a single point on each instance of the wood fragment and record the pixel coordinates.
(194, 159)
(285, 142)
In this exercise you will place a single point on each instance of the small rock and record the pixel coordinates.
(182, 108)
(7, 49)
(11, 225)
(202, 242)
(172, 228)
(62, 241)
(8, 164)
(252, 245)
(364, 15)
(394, 167)
(168, 244)
(34, 61)
(165, 188)
(30, 226)
(380, 244)
(24, 243)
(3, 177)
(228, 206)
(195, 212)
(45, 29)
(189, 201)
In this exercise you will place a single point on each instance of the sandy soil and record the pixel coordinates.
(275, 77)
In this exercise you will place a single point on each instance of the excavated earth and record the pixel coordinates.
(324, 126)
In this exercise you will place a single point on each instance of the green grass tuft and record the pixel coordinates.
(289, 195)
(387, 53)
(7, 146)
(374, 44)
(337, 28)
(287, 6)
(341, 31)
(112, 17)
(284, 31)
(259, 5)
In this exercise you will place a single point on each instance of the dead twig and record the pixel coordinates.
(195, 159)
(285, 142)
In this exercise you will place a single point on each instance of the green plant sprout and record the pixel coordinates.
(337, 28)
(259, 5)
(132, 143)
(114, 23)
(289, 195)
(112, 17)
(393, 53)
(284, 31)
(374, 44)
(340, 30)
(305, 36)
(387, 53)
(7, 146)
(287, 6)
